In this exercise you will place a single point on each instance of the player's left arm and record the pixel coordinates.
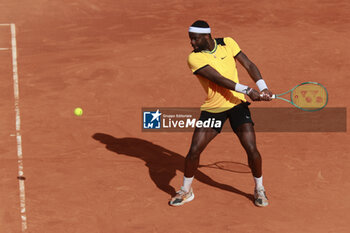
(255, 74)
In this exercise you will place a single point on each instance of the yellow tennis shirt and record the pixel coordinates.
(221, 58)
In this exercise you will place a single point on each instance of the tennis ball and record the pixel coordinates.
(78, 111)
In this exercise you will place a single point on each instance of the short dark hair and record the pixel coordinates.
(200, 24)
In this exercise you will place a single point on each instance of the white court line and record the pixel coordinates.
(5, 24)
(4, 49)
(18, 128)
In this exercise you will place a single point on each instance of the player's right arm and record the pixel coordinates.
(211, 74)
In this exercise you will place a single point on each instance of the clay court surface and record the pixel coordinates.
(100, 173)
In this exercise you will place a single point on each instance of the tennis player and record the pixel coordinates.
(213, 62)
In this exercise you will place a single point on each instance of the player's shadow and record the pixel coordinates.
(161, 162)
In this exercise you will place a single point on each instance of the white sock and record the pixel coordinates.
(187, 183)
(258, 182)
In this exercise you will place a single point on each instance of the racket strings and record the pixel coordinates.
(309, 96)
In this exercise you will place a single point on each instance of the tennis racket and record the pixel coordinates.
(307, 96)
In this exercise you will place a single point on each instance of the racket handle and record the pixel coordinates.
(272, 97)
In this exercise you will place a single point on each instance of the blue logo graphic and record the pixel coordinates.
(151, 120)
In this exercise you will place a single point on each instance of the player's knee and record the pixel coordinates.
(251, 150)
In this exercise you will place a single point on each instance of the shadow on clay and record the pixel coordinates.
(162, 163)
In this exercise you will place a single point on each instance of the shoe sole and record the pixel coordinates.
(261, 205)
(185, 201)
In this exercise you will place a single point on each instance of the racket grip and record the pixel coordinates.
(272, 97)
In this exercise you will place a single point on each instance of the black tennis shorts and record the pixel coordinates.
(237, 115)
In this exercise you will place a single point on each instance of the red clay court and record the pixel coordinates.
(99, 173)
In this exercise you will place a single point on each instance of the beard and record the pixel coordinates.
(204, 46)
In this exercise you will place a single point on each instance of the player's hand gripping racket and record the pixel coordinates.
(307, 96)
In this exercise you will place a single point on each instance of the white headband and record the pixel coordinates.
(200, 30)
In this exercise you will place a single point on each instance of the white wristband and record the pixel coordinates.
(261, 84)
(242, 88)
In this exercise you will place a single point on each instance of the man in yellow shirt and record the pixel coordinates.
(213, 61)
